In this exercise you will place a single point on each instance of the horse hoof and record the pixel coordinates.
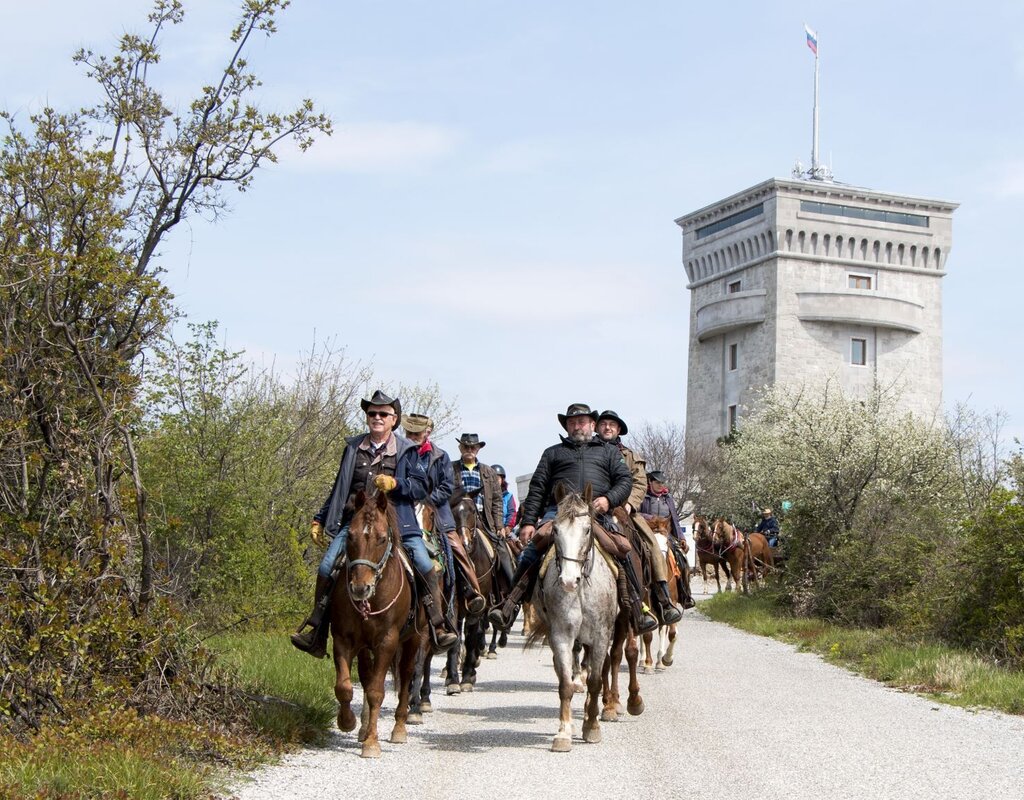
(346, 720)
(370, 751)
(648, 670)
(561, 744)
(415, 718)
(667, 662)
(609, 715)
(579, 688)
(467, 687)
(491, 655)
(658, 669)
(635, 709)
(453, 688)
(399, 736)
(592, 735)
(426, 706)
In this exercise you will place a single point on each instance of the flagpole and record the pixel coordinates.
(814, 146)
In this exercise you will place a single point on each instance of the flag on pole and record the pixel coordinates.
(812, 39)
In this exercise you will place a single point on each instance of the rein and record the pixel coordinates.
(363, 606)
(471, 548)
(587, 559)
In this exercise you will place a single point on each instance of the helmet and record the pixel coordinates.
(499, 469)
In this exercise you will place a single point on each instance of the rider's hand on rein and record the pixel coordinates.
(385, 483)
(316, 532)
(526, 533)
(600, 505)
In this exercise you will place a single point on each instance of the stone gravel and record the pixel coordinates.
(736, 715)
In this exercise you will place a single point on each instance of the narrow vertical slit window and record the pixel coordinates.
(733, 418)
(734, 356)
(859, 352)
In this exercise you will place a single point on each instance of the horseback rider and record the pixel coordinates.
(658, 502)
(471, 474)
(506, 559)
(611, 428)
(508, 500)
(769, 527)
(381, 459)
(441, 483)
(578, 459)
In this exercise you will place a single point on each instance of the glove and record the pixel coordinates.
(385, 483)
(316, 532)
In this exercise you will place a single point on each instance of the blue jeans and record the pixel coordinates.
(412, 540)
(531, 555)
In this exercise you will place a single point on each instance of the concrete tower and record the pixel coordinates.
(800, 281)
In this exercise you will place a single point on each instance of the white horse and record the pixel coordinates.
(577, 601)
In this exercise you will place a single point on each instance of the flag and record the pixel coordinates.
(812, 39)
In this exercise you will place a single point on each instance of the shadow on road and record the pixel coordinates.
(505, 713)
(483, 739)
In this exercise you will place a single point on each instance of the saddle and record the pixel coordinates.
(614, 542)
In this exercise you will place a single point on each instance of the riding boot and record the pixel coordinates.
(629, 597)
(660, 598)
(442, 637)
(314, 641)
(504, 615)
(466, 574)
(683, 582)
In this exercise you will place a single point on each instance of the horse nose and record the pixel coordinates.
(570, 584)
(359, 591)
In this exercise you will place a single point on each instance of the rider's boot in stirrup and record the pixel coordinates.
(629, 597)
(504, 615)
(685, 595)
(442, 637)
(314, 641)
(660, 597)
(475, 602)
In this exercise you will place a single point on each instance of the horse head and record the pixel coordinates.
(702, 534)
(370, 543)
(573, 534)
(467, 519)
(662, 525)
(722, 533)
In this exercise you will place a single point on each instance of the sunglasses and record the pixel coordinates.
(379, 414)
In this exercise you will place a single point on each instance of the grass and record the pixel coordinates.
(108, 752)
(943, 673)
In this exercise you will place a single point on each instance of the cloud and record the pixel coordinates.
(375, 147)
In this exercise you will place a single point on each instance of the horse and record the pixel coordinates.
(376, 620)
(735, 548)
(624, 640)
(704, 541)
(576, 601)
(662, 527)
(471, 628)
(762, 558)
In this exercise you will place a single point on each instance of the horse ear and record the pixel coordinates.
(560, 492)
(588, 493)
(382, 500)
(360, 499)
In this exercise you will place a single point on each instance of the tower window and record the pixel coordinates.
(859, 352)
(734, 287)
(734, 356)
(859, 281)
(733, 418)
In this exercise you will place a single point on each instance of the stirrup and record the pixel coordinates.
(477, 605)
(310, 642)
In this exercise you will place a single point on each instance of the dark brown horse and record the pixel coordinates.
(707, 555)
(373, 619)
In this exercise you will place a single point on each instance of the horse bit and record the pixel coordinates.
(363, 606)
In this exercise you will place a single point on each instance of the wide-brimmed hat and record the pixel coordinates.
(416, 423)
(381, 399)
(471, 440)
(657, 475)
(577, 410)
(623, 430)
(767, 511)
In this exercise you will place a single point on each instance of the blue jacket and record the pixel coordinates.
(441, 484)
(409, 475)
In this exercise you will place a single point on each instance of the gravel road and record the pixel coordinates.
(736, 715)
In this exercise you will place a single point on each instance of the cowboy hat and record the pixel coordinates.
(657, 475)
(415, 423)
(577, 410)
(623, 430)
(381, 399)
(471, 440)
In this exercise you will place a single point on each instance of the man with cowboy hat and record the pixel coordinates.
(659, 503)
(769, 526)
(578, 459)
(611, 428)
(382, 460)
(441, 482)
(471, 475)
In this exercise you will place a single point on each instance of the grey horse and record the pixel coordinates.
(577, 601)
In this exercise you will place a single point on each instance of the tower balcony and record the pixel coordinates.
(729, 313)
(861, 308)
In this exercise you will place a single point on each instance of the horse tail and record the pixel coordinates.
(538, 633)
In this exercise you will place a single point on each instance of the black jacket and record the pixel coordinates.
(576, 464)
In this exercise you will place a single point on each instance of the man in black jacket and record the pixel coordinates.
(580, 458)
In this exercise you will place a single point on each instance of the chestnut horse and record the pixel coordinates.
(662, 528)
(374, 620)
(747, 556)
(704, 541)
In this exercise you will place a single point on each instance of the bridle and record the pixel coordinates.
(363, 606)
(586, 559)
(468, 536)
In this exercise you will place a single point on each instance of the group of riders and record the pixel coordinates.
(415, 471)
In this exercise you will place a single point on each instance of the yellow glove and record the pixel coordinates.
(316, 532)
(385, 483)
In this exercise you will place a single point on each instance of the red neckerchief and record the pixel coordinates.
(425, 448)
(663, 491)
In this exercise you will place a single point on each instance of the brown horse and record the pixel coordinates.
(704, 541)
(374, 620)
(744, 554)
(624, 640)
(484, 558)
(662, 527)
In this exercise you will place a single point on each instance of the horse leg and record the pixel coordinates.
(373, 693)
(343, 685)
(563, 668)
(451, 677)
(425, 705)
(612, 703)
(578, 680)
(591, 722)
(364, 666)
(492, 648)
(472, 657)
(635, 703)
(648, 640)
(668, 657)
(408, 658)
(416, 688)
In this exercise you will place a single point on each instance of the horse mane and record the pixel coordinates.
(369, 506)
(570, 505)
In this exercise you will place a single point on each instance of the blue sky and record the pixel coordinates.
(495, 209)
